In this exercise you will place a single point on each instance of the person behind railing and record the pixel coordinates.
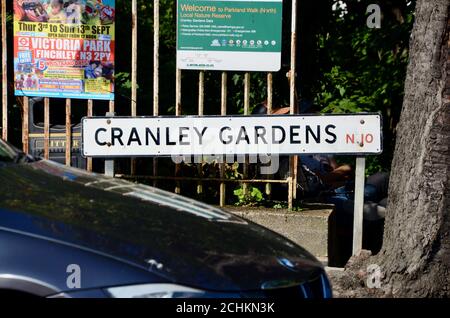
(322, 178)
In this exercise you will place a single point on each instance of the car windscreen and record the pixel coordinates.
(7, 153)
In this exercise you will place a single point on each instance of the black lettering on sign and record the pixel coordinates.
(229, 139)
(242, 136)
(168, 142)
(331, 134)
(294, 134)
(134, 137)
(315, 136)
(149, 133)
(200, 134)
(116, 133)
(97, 141)
(283, 134)
(183, 135)
(260, 135)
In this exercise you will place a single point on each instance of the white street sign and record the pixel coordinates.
(357, 134)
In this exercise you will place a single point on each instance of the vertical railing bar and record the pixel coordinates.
(178, 93)
(156, 58)
(90, 113)
(201, 93)
(112, 108)
(223, 112)
(133, 70)
(111, 113)
(201, 106)
(246, 112)
(178, 111)
(269, 93)
(292, 72)
(26, 125)
(292, 82)
(269, 112)
(68, 132)
(4, 74)
(46, 128)
(90, 110)
(133, 58)
(155, 74)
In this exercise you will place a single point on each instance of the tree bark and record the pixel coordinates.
(415, 258)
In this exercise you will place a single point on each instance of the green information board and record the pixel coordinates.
(231, 35)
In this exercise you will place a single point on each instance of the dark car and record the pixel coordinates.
(68, 233)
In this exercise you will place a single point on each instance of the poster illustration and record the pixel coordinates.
(64, 48)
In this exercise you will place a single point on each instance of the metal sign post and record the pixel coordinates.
(359, 204)
(109, 163)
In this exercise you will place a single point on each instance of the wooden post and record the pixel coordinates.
(178, 113)
(133, 70)
(201, 106)
(246, 112)
(68, 132)
(26, 125)
(46, 128)
(90, 113)
(223, 112)
(292, 74)
(359, 205)
(4, 74)
(155, 74)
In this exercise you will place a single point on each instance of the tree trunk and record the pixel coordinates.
(415, 258)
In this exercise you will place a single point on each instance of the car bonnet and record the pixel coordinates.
(180, 239)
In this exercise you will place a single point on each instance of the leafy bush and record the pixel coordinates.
(254, 196)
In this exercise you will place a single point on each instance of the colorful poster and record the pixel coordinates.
(64, 48)
(229, 35)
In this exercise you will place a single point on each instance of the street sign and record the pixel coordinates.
(358, 134)
(229, 35)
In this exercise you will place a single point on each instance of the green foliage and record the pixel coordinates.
(254, 196)
(366, 67)
(232, 171)
(279, 206)
(284, 205)
(363, 69)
